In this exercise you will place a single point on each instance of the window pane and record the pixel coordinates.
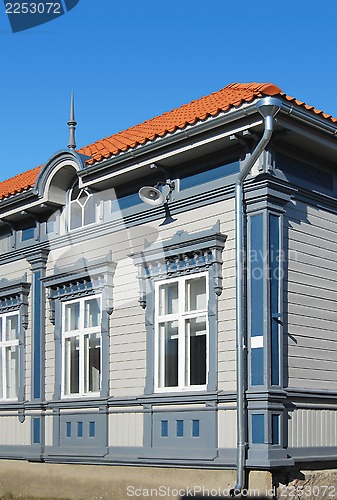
(196, 294)
(195, 428)
(72, 316)
(168, 299)
(12, 366)
(168, 355)
(92, 429)
(164, 428)
(180, 428)
(92, 313)
(89, 211)
(210, 174)
(75, 215)
(92, 363)
(196, 351)
(12, 326)
(72, 365)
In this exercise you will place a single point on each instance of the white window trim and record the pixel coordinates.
(80, 333)
(4, 344)
(70, 202)
(181, 317)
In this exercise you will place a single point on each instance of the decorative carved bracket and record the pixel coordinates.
(14, 297)
(83, 278)
(184, 254)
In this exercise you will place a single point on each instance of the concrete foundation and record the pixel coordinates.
(91, 482)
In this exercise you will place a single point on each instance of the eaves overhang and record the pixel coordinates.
(191, 137)
(235, 120)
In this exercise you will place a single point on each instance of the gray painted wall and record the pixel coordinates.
(310, 297)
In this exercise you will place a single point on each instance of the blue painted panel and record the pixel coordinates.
(27, 233)
(258, 428)
(127, 201)
(209, 175)
(92, 429)
(37, 336)
(256, 274)
(79, 429)
(68, 429)
(180, 428)
(274, 246)
(275, 429)
(185, 430)
(195, 428)
(257, 366)
(36, 430)
(257, 267)
(164, 428)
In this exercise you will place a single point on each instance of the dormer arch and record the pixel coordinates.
(57, 175)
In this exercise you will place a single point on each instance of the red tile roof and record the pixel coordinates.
(188, 114)
(19, 183)
(230, 96)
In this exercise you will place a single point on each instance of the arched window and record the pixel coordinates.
(82, 207)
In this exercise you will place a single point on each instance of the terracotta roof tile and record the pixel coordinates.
(187, 114)
(233, 95)
(19, 183)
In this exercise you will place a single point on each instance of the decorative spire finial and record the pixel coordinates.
(72, 124)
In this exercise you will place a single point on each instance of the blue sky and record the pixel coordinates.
(129, 61)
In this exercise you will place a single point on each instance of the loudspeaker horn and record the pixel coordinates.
(151, 195)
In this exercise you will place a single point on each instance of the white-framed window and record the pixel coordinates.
(81, 346)
(9, 355)
(181, 333)
(82, 208)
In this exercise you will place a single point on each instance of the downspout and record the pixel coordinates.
(268, 107)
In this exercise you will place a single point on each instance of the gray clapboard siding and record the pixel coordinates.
(311, 293)
(128, 356)
(312, 427)
(13, 432)
(312, 312)
(303, 357)
(300, 248)
(311, 237)
(309, 338)
(298, 316)
(126, 429)
(315, 299)
(299, 380)
(129, 338)
(15, 270)
(127, 322)
(323, 284)
(314, 215)
(311, 268)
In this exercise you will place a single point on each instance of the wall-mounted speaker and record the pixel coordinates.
(151, 195)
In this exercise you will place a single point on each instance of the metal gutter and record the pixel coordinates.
(267, 107)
